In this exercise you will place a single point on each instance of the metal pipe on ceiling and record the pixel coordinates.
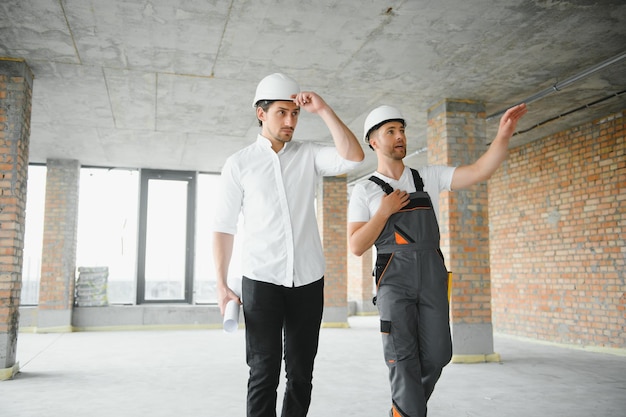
(562, 84)
(556, 87)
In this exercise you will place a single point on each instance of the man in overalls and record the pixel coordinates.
(396, 210)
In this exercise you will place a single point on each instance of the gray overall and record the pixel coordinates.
(412, 301)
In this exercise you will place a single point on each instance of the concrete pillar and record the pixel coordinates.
(332, 214)
(58, 260)
(16, 85)
(457, 136)
(361, 284)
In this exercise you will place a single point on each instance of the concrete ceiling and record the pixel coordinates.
(168, 84)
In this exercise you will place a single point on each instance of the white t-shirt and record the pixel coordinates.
(366, 195)
(276, 192)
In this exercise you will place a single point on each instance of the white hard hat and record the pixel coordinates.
(378, 116)
(276, 86)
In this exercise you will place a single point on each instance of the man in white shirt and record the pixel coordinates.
(272, 182)
(396, 210)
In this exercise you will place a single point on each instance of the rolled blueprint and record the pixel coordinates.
(231, 316)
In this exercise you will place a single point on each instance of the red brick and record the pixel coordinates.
(559, 281)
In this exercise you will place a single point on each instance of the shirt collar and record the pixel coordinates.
(263, 141)
(266, 143)
(389, 179)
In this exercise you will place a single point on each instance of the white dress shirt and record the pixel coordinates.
(366, 195)
(276, 194)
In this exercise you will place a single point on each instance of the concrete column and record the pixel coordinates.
(457, 136)
(332, 214)
(58, 261)
(361, 284)
(16, 85)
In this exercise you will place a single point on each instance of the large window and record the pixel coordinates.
(33, 235)
(155, 253)
(166, 244)
(107, 228)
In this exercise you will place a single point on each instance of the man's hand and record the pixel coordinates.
(309, 101)
(392, 203)
(467, 175)
(224, 295)
(508, 121)
(346, 143)
(362, 235)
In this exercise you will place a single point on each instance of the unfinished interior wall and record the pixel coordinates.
(558, 237)
(16, 87)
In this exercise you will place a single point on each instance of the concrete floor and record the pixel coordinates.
(203, 373)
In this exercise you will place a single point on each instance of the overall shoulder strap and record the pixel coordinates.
(417, 180)
(388, 189)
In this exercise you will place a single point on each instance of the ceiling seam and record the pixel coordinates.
(106, 87)
(219, 47)
(67, 23)
(156, 100)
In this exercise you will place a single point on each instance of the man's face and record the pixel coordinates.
(280, 120)
(389, 140)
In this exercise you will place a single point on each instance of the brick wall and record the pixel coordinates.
(15, 106)
(332, 217)
(456, 136)
(361, 282)
(332, 207)
(558, 228)
(58, 262)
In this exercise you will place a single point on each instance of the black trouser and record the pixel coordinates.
(268, 311)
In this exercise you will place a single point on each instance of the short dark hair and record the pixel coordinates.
(377, 126)
(265, 105)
